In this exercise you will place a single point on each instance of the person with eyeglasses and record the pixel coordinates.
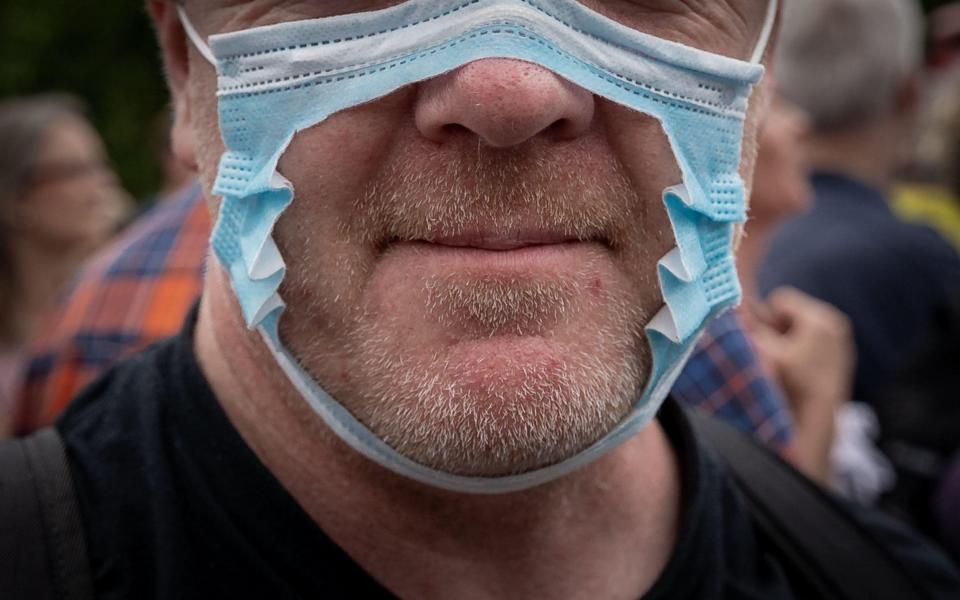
(59, 201)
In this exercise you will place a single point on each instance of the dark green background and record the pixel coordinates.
(103, 51)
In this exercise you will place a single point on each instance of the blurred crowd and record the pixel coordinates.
(844, 356)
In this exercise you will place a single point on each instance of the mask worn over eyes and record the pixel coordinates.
(278, 80)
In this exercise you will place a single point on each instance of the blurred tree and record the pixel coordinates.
(103, 52)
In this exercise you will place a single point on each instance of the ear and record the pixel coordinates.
(176, 59)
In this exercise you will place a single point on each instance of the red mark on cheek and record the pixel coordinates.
(596, 287)
(345, 376)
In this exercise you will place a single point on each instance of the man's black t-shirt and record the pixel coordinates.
(176, 505)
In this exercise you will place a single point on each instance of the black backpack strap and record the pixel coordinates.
(814, 533)
(43, 552)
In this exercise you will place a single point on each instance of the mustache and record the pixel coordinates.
(508, 194)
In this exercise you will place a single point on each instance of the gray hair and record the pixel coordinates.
(843, 61)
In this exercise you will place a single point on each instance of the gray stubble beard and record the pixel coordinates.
(459, 417)
(452, 415)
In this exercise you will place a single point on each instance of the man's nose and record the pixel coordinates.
(504, 102)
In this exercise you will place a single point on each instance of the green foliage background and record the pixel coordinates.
(103, 51)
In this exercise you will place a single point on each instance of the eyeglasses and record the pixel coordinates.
(61, 171)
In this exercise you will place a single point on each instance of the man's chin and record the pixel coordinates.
(496, 406)
(487, 373)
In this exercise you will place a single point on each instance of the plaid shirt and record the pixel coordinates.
(725, 378)
(133, 293)
(139, 289)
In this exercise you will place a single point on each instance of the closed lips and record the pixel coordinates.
(494, 242)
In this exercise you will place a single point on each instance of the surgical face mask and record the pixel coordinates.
(276, 81)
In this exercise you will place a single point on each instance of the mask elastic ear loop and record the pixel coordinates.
(198, 42)
(766, 32)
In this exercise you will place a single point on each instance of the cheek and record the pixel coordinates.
(329, 166)
(331, 162)
(641, 147)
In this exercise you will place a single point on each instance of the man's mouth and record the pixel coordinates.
(492, 255)
(499, 240)
(502, 243)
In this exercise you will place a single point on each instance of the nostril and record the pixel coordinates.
(563, 129)
(452, 130)
(443, 133)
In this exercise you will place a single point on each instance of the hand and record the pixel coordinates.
(808, 347)
(807, 343)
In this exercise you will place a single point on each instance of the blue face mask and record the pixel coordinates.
(278, 80)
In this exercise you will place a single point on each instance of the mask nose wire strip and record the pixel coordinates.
(198, 42)
(766, 32)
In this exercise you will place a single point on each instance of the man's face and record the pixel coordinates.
(472, 260)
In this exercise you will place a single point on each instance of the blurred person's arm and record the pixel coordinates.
(808, 346)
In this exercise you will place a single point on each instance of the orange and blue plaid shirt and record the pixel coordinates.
(132, 293)
(725, 378)
(139, 290)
